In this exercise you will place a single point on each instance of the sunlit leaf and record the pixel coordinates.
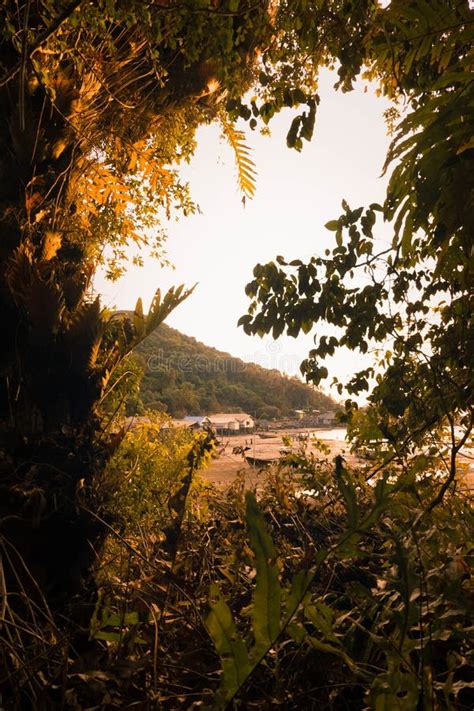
(267, 596)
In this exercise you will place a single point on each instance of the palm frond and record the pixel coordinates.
(160, 308)
(139, 319)
(246, 173)
(132, 330)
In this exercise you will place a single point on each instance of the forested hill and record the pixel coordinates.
(192, 378)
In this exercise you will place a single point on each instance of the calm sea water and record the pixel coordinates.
(337, 434)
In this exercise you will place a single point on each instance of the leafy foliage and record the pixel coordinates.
(413, 298)
(401, 625)
(144, 474)
(338, 594)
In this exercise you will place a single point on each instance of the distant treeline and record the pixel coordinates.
(184, 376)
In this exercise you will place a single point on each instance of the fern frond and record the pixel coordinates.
(84, 336)
(246, 173)
(19, 273)
(45, 305)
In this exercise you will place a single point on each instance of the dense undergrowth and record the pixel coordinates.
(330, 592)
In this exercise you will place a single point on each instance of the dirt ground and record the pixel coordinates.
(224, 468)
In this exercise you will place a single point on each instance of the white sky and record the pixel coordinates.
(297, 193)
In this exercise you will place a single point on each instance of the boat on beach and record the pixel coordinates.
(260, 461)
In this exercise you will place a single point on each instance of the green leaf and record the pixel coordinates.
(332, 225)
(139, 319)
(113, 637)
(267, 597)
(120, 620)
(231, 649)
(293, 133)
(329, 649)
(346, 487)
(321, 615)
(299, 585)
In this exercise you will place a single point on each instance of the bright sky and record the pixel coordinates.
(297, 193)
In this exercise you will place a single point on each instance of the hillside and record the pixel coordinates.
(185, 377)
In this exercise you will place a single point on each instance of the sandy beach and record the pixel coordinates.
(225, 466)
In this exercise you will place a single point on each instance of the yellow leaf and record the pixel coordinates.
(245, 166)
(133, 161)
(51, 245)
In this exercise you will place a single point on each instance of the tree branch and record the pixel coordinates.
(452, 470)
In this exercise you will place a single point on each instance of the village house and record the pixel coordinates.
(231, 423)
(327, 418)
